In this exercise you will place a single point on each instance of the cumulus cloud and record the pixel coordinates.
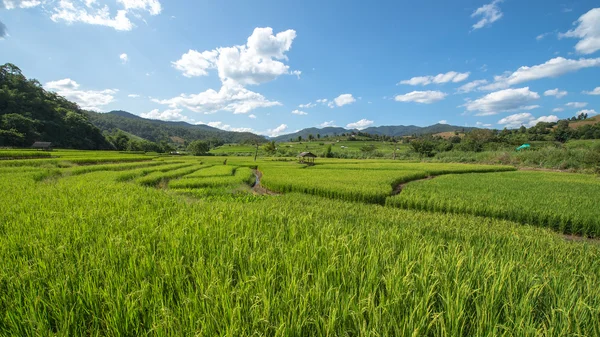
(124, 58)
(256, 62)
(588, 31)
(553, 68)
(525, 119)
(590, 112)
(483, 125)
(576, 105)
(451, 76)
(487, 14)
(12, 4)
(93, 13)
(194, 63)
(167, 115)
(466, 88)
(277, 131)
(596, 91)
(360, 125)
(344, 99)
(307, 105)
(231, 97)
(227, 127)
(558, 110)
(424, 97)
(443, 121)
(86, 99)
(556, 93)
(299, 112)
(502, 101)
(327, 124)
(252, 116)
(133, 96)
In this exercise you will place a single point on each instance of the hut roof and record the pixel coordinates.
(307, 154)
(41, 144)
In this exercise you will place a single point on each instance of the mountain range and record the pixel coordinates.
(384, 130)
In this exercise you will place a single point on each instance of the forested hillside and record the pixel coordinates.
(174, 132)
(28, 113)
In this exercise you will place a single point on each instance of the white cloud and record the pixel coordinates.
(361, 124)
(327, 124)
(227, 127)
(443, 121)
(558, 110)
(277, 131)
(12, 4)
(299, 112)
(590, 112)
(307, 105)
(488, 14)
(525, 119)
(502, 101)
(124, 58)
(194, 63)
(555, 92)
(151, 6)
(322, 100)
(542, 36)
(231, 97)
(344, 99)
(253, 116)
(167, 115)
(424, 97)
(256, 62)
(466, 88)
(553, 68)
(86, 99)
(588, 31)
(91, 12)
(133, 96)
(576, 104)
(451, 76)
(483, 125)
(596, 91)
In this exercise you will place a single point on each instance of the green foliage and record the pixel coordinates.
(198, 148)
(270, 147)
(28, 113)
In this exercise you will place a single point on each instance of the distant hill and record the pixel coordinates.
(589, 121)
(28, 113)
(157, 130)
(386, 130)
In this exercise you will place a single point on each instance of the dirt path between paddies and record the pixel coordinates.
(399, 188)
(257, 188)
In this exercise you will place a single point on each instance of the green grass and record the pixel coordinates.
(15, 154)
(243, 175)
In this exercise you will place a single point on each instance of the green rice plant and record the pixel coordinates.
(137, 173)
(562, 201)
(113, 167)
(214, 171)
(15, 154)
(243, 175)
(155, 178)
(86, 255)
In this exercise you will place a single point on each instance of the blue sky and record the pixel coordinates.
(274, 67)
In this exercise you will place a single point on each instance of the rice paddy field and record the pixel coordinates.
(113, 244)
